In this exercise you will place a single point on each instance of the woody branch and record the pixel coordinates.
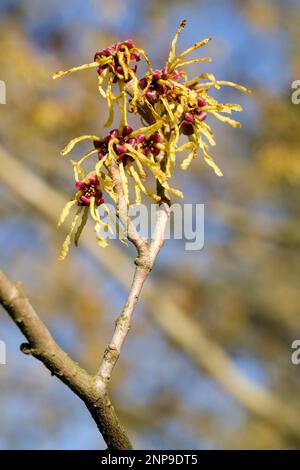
(91, 389)
(43, 347)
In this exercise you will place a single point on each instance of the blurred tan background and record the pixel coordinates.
(207, 364)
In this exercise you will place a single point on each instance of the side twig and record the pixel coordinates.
(144, 262)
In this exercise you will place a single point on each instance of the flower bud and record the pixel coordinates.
(119, 69)
(135, 56)
(129, 43)
(115, 134)
(121, 149)
(127, 159)
(189, 117)
(157, 137)
(97, 144)
(187, 128)
(79, 185)
(99, 200)
(152, 96)
(201, 102)
(116, 46)
(164, 73)
(127, 130)
(85, 201)
(132, 142)
(202, 116)
(107, 51)
(97, 55)
(162, 89)
(93, 180)
(143, 83)
(176, 75)
(140, 138)
(155, 151)
(156, 75)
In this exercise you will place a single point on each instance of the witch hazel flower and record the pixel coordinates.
(153, 145)
(116, 64)
(88, 198)
(122, 54)
(88, 189)
(185, 104)
(117, 60)
(159, 83)
(150, 146)
(192, 115)
(120, 137)
(161, 87)
(198, 107)
(134, 151)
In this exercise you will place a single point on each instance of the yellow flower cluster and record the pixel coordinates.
(170, 104)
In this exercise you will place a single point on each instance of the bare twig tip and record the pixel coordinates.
(183, 24)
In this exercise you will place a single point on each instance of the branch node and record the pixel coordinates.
(143, 263)
(26, 349)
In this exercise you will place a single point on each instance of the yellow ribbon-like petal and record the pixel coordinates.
(75, 141)
(65, 212)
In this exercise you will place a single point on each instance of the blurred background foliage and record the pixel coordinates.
(241, 291)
